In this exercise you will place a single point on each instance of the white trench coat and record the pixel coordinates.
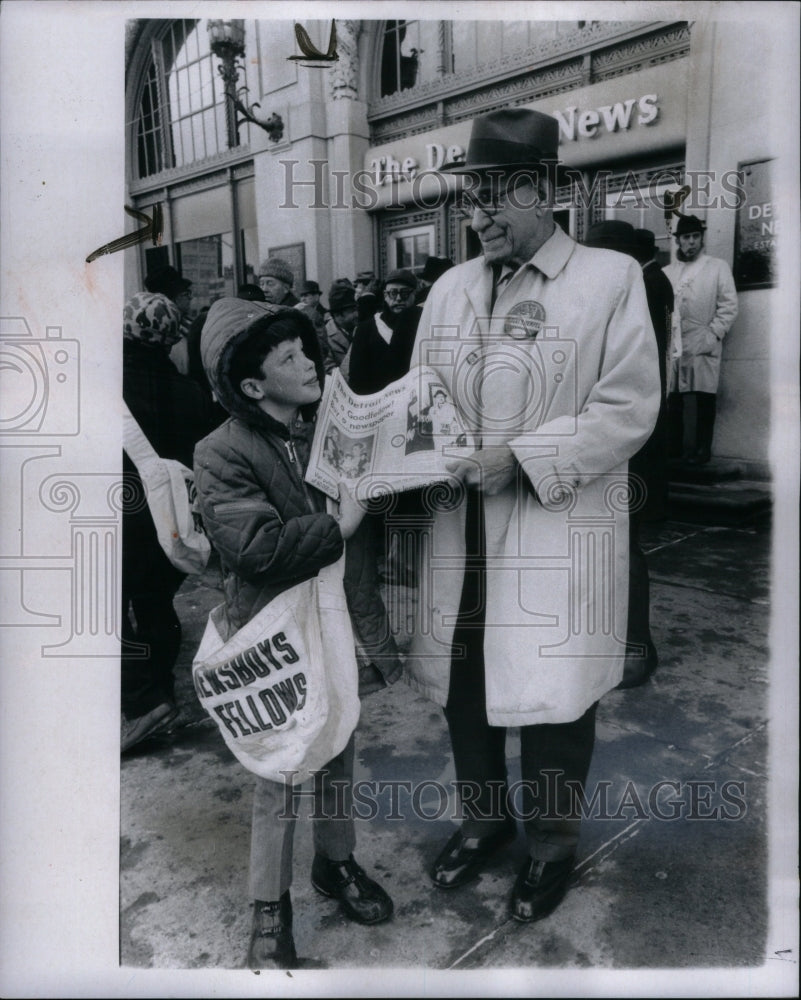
(705, 306)
(574, 403)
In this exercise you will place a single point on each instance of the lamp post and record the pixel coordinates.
(227, 41)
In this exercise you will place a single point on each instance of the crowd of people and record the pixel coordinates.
(234, 391)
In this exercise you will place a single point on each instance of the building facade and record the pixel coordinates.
(347, 177)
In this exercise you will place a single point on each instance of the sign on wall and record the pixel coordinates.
(756, 230)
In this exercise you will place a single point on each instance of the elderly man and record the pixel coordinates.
(705, 307)
(276, 280)
(546, 347)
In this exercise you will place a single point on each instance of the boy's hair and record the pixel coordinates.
(247, 351)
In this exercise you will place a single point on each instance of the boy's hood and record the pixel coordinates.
(226, 319)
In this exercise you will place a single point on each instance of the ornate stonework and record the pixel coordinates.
(597, 51)
(344, 78)
(652, 50)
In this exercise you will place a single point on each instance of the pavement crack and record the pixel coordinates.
(668, 582)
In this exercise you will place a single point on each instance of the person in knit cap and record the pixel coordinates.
(173, 413)
(272, 531)
(276, 281)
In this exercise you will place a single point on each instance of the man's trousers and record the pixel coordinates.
(554, 757)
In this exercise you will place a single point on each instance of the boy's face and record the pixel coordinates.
(288, 381)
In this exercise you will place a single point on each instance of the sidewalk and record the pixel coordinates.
(648, 893)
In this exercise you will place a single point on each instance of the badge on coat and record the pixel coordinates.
(524, 320)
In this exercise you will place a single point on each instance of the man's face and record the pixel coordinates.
(346, 320)
(398, 297)
(274, 289)
(184, 300)
(691, 245)
(508, 226)
(288, 381)
(310, 299)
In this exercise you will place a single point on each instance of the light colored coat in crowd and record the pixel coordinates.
(705, 306)
(573, 404)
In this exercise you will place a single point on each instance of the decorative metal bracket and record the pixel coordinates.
(273, 126)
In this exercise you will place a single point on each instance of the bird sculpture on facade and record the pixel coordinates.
(310, 52)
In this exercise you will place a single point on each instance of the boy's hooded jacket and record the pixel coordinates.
(269, 526)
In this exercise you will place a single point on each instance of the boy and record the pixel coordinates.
(272, 532)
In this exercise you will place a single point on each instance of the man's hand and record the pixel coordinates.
(489, 469)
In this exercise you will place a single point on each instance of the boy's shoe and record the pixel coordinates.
(271, 943)
(361, 899)
(136, 730)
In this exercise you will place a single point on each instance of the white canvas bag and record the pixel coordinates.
(283, 690)
(168, 485)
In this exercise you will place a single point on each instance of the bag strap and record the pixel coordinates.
(134, 442)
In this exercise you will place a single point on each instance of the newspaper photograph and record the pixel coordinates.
(394, 440)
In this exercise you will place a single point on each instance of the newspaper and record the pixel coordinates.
(394, 440)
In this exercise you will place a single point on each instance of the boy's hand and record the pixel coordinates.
(350, 512)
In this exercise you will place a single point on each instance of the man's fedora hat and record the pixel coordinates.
(514, 137)
(689, 224)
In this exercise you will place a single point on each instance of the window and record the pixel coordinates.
(411, 247)
(181, 115)
(410, 55)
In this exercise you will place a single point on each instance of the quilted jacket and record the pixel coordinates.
(269, 527)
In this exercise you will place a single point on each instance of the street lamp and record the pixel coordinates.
(227, 40)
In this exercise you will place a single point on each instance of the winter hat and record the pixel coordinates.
(152, 318)
(340, 298)
(275, 267)
(401, 277)
(167, 281)
(309, 288)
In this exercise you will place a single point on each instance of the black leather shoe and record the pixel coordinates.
(362, 899)
(462, 858)
(540, 888)
(271, 943)
(638, 670)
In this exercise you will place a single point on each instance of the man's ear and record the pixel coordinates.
(250, 387)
